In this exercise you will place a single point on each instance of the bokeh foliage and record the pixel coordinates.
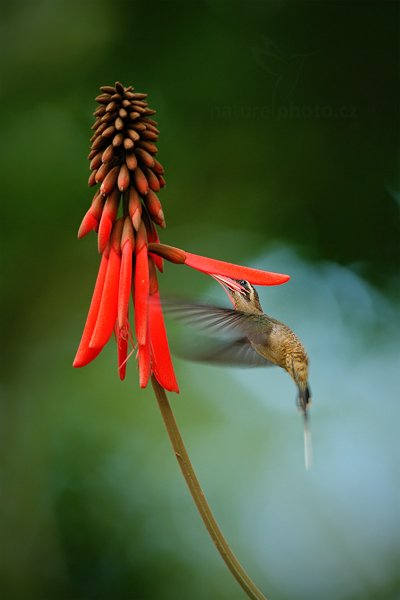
(279, 127)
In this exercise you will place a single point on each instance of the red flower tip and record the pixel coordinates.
(152, 179)
(109, 182)
(89, 223)
(135, 207)
(92, 179)
(154, 207)
(158, 168)
(107, 219)
(140, 181)
(161, 357)
(219, 267)
(123, 178)
(102, 172)
(91, 219)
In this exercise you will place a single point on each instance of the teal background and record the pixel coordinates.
(280, 139)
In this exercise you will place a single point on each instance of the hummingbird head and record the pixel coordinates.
(241, 293)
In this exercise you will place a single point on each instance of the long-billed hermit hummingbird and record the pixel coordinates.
(252, 338)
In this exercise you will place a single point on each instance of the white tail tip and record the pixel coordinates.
(308, 458)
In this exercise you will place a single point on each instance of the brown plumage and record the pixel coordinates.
(245, 336)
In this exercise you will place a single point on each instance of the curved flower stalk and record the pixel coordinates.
(125, 212)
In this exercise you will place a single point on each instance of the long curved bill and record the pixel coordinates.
(228, 283)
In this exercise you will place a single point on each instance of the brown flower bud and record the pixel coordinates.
(109, 182)
(140, 181)
(133, 135)
(108, 154)
(118, 139)
(103, 98)
(96, 161)
(158, 168)
(102, 172)
(149, 135)
(144, 157)
(128, 144)
(123, 178)
(131, 160)
(119, 124)
(111, 106)
(108, 89)
(152, 148)
(122, 161)
(152, 179)
(155, 209)
(109, 131)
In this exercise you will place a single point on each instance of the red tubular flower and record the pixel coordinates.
(123, 163)
(211, 266)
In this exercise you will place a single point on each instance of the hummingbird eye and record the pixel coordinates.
(243, 283)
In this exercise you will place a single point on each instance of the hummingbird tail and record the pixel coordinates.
(307, 443)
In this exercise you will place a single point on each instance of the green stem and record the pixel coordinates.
(198, 496)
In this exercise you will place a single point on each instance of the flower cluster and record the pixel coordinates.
(124, 212)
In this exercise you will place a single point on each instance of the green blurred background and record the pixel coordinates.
(280, 139)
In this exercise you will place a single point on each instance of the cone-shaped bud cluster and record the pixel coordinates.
(124, 211)
(123, 163)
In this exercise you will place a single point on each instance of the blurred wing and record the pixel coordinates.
(221, 321)
(239, 353)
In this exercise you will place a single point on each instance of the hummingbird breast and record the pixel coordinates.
(281, 344)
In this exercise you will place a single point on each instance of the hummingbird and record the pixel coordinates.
(246, 336)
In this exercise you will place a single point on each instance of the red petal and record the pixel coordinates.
(109, 304)
(162, 363)
(85, 354)
(134, 207)
(91, 220)
(155, 209)
(122, 341)
(152, 236)
(153, 281)
(220, 267)
(109, 182)
(105, 227)
(125, 281)
(107, 219)
(141, 294)
(88, 224)
(144, 364)
(140, 181)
